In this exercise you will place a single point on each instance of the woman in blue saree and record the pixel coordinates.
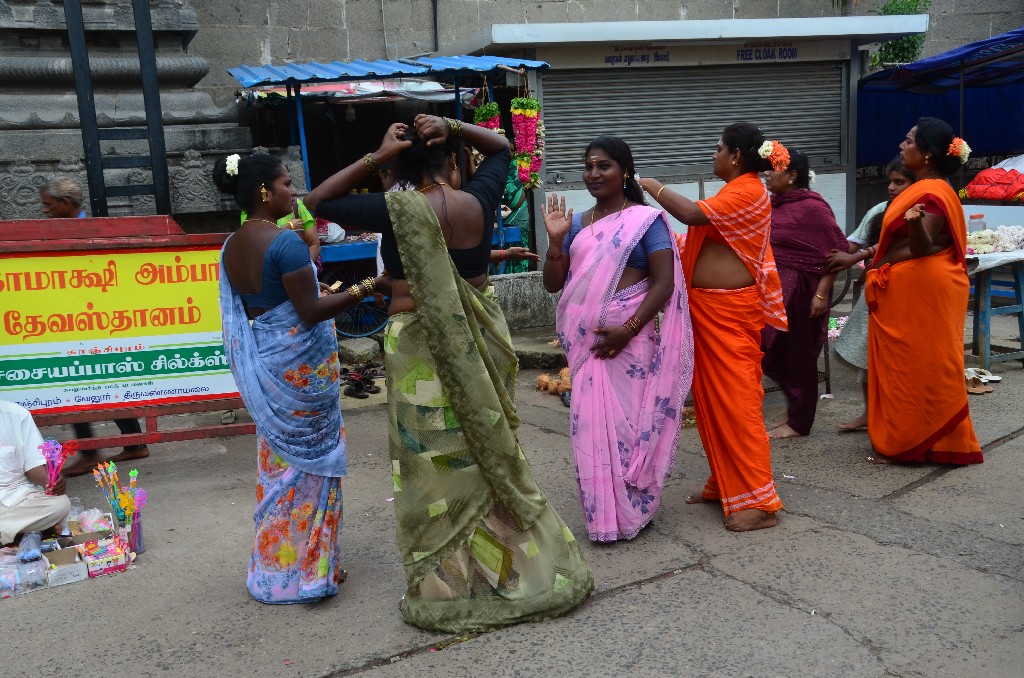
(279, 336)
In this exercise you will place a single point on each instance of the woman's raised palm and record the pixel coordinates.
(557, 220)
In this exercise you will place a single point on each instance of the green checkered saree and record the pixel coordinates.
(480, 544)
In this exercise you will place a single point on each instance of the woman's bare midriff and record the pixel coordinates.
(401, 300)
(899, 249)
(719, 268)
(630, 277)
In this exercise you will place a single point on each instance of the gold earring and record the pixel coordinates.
(264, 194)
(734, 163)
(928, 158)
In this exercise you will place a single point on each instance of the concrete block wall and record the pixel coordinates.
(234, 32)
(524, 300)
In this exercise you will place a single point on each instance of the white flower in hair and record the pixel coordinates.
(231, 164)
(811, 176)
(766, 149)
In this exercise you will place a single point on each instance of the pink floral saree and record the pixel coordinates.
(625, 412)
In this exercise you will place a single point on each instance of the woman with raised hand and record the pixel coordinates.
(283, 352)
(804, 231)
(917, 291)
(617, 266)
(733, 290)
(482, 548)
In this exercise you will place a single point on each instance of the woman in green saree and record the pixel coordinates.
(480, 544)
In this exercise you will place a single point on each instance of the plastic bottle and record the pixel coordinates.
(75, 515)
(976, 223)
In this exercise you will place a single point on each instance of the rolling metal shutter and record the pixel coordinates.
(673, 117)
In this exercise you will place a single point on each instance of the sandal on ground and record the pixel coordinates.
(566, 396)
(373, 370)
(364, 382)
(984, 375)
(355, 390)
(976, 386)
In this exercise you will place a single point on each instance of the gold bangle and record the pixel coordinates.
(370, 285)
(657, 196)
(634, 325)
(454, 127)
(818, 296)
(371, 164)
(355, 293)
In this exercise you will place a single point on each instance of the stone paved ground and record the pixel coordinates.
(872, 571)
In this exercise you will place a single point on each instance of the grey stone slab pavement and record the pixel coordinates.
(872, 571)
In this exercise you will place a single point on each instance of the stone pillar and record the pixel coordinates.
(39, 127)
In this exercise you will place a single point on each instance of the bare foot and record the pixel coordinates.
(860, 422)
(783, 431)
(83, 462)
(699, 498)
(749, 520)
(880, 459)
(128, 455)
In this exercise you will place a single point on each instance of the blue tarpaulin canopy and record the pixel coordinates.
(977, 88)
(294, 76)
(339, 71)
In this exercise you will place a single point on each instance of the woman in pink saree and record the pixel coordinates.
(617, 266)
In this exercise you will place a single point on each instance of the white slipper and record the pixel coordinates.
(984, 375)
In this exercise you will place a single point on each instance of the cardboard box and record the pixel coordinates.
(108, 565)
(66, 567)
(79, 539)
(100, 563)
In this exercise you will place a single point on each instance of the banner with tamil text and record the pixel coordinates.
(101, 329)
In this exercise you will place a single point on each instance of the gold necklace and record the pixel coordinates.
(265, 221)
(593, 212)
(427, 188)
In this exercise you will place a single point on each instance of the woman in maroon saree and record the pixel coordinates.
(804, 231)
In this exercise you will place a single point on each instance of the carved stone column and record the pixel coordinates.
(39, 107)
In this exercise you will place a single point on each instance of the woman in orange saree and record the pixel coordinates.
(917, 291)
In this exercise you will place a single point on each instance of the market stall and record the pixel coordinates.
(999, 245)
(87, 542)
(388, 90)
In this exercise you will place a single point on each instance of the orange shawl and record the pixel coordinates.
(742, 213)
(917, 402)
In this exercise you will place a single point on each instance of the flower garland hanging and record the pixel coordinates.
(527, 129)
(489, 116)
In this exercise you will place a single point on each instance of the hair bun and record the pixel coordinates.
(227, 183)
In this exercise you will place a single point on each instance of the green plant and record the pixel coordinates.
(908, 48)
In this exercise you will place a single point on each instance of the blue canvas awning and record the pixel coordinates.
(987, 63)
(314, 72)
(338, 71)
(977, 88)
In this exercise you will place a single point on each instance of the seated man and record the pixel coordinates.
(25, 506)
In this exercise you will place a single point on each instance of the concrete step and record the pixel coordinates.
(535, 350)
